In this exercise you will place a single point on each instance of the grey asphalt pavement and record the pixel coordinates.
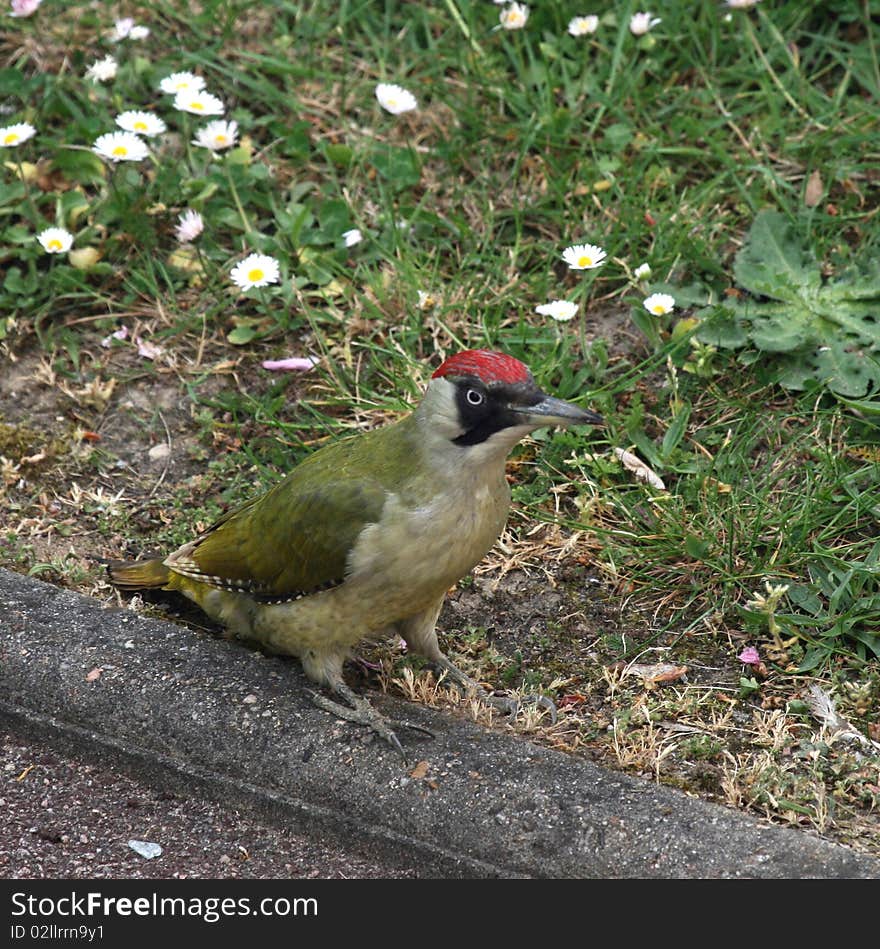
(204, 717)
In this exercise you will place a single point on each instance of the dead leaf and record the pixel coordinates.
(95, 394)
(639, 468)
(94, 674)
(419, 771)
(814, 189)
(575, 698)
(656, 672)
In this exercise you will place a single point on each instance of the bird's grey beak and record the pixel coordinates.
(550, 411)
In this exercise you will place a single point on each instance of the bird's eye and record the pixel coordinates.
(475, 397)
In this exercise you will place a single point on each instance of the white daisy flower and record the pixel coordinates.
(141, 123)
(55, 240)
(395, 99)
(659, 304)
(127, 29)
(179, 82)
(582, 25)
(642, 272)
(190, 225)
(741, 4)
(103, 70)
(640, 23)
(514, 17)
(560, 310)
(352, 237)
(256, 270)
(199, 103)
(217, 135)
(583, 256)
(13, 135)
(121, 29)
(426, 300)
(120, 146)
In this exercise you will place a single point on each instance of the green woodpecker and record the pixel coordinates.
(366, 536)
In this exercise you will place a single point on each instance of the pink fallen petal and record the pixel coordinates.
(293, 364)
(121, 333)
(749, 656)
(147, 349)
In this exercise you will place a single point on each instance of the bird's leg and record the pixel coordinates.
(420, 634)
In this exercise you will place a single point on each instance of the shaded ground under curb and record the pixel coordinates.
(189, 711)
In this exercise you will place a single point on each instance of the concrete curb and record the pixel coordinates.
(196, 711)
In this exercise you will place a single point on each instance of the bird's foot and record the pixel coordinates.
(358, 709)
(506, 704)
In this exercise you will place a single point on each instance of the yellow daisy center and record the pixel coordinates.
(585, 261)
(659, 309)
(120, 151)
(255, 274)
(221, 139)
(11, 138)
(54, 244)
(195, 104)
(140, 125)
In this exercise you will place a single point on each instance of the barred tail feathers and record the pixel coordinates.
(139, 574)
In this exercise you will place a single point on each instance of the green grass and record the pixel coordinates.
(660, 149)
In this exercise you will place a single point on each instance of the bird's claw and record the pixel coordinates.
(358, 709)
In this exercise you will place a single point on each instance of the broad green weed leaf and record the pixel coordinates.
(774, 262)
(847, 371)
(399, 166)
(776, 327)
(813, 333)
(720, 327)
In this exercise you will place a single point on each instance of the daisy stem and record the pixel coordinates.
(187, 140)
(28, 197)
(203, 263)
(241, 212)
(582, 293)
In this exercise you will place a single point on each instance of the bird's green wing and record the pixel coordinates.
(293, 539)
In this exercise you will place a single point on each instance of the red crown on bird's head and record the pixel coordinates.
(487, 366)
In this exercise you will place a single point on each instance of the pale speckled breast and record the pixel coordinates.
(411, 557)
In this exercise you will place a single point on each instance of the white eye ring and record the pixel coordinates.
(475, 397)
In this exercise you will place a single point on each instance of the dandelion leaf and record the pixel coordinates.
(720, 327)
(845, 369)
(798, 330)
(774, 262)
(774, 328)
